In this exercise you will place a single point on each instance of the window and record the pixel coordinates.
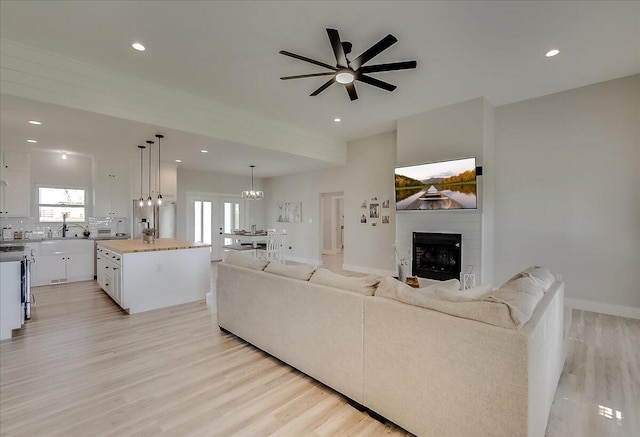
(53, 202)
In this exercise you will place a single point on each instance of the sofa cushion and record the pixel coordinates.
(521, 296)
(473, 293)
(364, 285)
(449, 283)
(510, 307)
(542, 276)
(296, 271)
(392, 288)
(245, 260)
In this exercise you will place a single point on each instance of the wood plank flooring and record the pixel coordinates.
(82, 367)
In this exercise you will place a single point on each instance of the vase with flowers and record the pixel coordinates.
(148, 235)
(403, 258)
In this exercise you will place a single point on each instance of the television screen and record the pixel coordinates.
(438, 185)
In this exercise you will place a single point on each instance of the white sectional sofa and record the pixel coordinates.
(431, 373)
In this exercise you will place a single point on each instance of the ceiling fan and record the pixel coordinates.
(346, 71)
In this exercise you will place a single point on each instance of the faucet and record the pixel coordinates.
(65, 228)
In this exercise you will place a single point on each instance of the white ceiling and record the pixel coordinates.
(228, 52)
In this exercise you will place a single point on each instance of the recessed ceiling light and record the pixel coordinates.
(32, 141)
(139, 47)
(178, 160)
(36, 122)
(64, 155)
(552, 53)
(204, 151)
(337, 120)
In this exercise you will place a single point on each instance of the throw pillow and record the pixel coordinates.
(295, 271)
(364, 285)
(245, 260)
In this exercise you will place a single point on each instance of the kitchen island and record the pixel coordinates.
(141, 277)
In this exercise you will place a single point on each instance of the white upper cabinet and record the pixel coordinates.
(15, 161)
(15, 184)
(111, 196)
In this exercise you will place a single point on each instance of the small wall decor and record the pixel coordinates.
(385, 203)
(363, 219)
(363, 204)
(290, 212)
(385, 219)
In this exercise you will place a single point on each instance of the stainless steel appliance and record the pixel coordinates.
(24, 254)
(162, 218)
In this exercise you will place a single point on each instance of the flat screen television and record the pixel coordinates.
(437, 185)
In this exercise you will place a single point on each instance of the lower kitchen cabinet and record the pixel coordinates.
(109, 274)
(64, 261)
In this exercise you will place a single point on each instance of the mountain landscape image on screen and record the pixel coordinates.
(439, 185)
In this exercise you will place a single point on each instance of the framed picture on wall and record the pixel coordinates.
(289, 212)
(363, 219)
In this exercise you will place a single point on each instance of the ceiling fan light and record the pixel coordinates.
(345, 77)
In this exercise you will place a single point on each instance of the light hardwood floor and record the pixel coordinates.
(82, 367)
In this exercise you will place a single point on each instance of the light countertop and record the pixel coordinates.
(134, 246)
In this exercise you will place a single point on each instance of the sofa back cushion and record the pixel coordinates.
(245, 260)
(540, 275)
(364, 285)
(509, 307)
(392, 288)
(295, 271)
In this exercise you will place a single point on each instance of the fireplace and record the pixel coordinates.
(437, 256)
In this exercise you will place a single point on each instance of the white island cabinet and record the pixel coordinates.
(141, 277)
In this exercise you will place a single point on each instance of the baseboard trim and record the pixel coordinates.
(604, 308)
(368, 270)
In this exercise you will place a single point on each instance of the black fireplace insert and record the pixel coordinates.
(437, 256)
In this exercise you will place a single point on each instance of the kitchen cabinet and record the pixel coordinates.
(10, 300)
(109, 273)
(142, 277)
(15, 185)
(111, 197)
(15, 161)
(64, 261)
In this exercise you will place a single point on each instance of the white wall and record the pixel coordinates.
(568, 190)
(369, 172)
(327, 217)
(457, 131)
(195, 181)
(303, 238)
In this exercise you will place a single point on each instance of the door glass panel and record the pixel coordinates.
(197, 221)
(228, 222)
(206, 222)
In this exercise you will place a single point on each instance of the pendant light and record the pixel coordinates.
(159, 136)
(149, 199)
(252, 194)
(141, 200)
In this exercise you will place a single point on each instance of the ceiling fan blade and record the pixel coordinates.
(323, 87)
(351, 89)
(312, 61)
(306, 75)
(338, 50)
(373, 51)
(378, 83)
(389, 67)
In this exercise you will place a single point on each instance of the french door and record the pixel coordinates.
(214, 216)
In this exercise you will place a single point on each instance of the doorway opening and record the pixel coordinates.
(332, 227)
